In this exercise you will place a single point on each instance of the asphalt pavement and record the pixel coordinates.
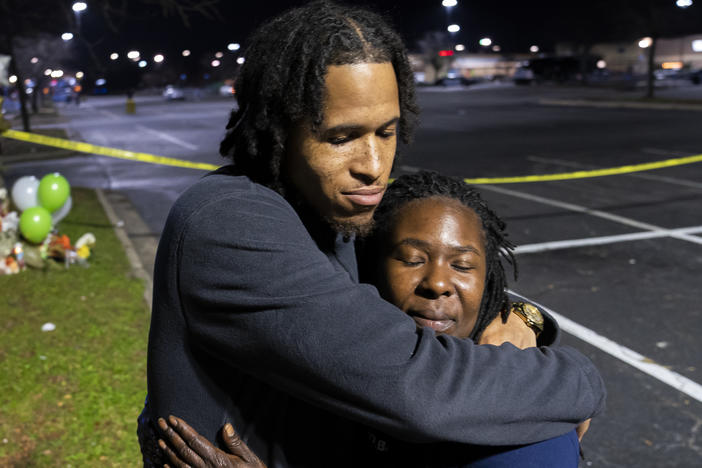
(620, 256)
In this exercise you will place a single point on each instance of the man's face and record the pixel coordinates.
(341, 170)
(433, 266)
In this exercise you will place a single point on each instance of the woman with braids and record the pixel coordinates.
(259, 318)
(435, 252)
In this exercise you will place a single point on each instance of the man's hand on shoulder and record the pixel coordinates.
(515, 331)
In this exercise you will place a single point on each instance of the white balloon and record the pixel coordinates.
(61, 213)
(24, 192)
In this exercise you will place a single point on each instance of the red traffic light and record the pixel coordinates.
(445, 53)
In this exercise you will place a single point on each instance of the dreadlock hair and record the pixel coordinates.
(426, 184)
(282, 81)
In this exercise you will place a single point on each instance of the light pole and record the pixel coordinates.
(448, 7)
(683, 3)
(78, 8)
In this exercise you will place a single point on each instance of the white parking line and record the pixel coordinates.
(167, 137)
(588, 241)
(597, 213)
(631, 357)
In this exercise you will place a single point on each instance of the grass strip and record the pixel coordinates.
(70, 397)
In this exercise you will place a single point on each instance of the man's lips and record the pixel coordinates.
(366, 196)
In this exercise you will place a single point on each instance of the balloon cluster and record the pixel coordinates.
(43, 203)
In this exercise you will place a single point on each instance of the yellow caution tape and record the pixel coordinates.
(587, 174)
(105, 151)
(153, 159)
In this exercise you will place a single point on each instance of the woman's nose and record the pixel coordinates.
(435, 282)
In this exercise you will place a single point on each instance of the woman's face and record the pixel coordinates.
(433, 266)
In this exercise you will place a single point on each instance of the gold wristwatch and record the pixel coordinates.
(531, 316)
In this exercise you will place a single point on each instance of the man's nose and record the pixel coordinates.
(369, 164)
(435, 282)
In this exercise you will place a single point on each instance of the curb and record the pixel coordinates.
(620, 104)
(138, 269)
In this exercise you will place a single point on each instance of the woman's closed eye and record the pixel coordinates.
(462, 265)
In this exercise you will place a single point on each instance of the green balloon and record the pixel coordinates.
(53, 191)
(35, 224)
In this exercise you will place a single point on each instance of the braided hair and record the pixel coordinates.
(282, 81)
(426, 184)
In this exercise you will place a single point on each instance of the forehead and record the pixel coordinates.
(354, 91)
(440, 220)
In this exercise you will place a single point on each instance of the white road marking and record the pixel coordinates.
(664, 152)
(597, 213)
(406, 168)
(110, 114)
(657, 178)
(588, 241)
(167, 137)
(629, 356)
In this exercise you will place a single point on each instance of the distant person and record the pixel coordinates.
(258, 314)
(435, 253)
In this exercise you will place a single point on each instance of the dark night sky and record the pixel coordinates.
(513, 24)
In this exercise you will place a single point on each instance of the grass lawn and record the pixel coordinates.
(70, 397)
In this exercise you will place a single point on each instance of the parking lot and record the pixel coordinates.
(619, 256)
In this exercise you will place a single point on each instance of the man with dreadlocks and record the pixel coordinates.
(258, 316)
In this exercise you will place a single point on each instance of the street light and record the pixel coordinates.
(114, 56)
(215, 63)
(684, 3)
(12, 79)
(34, 59)
(645, 43)
(496, 48)
(234, 46)
(80, 75)
(460, 47)
(219, 55)
(158, 58)
(453, 28)
(449, 3)
(67, 36)
(534, 49)
(186, 53)
(133, 55)
(142, 63)
(485, 42)
(240, 60)
(48, 72)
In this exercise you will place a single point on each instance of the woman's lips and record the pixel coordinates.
(366, 196)
(436, 325)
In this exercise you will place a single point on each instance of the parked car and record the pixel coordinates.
(172, 93)
(523, 76)
(696, 77)
(226, 90)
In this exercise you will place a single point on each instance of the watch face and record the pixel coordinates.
(533, 314)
